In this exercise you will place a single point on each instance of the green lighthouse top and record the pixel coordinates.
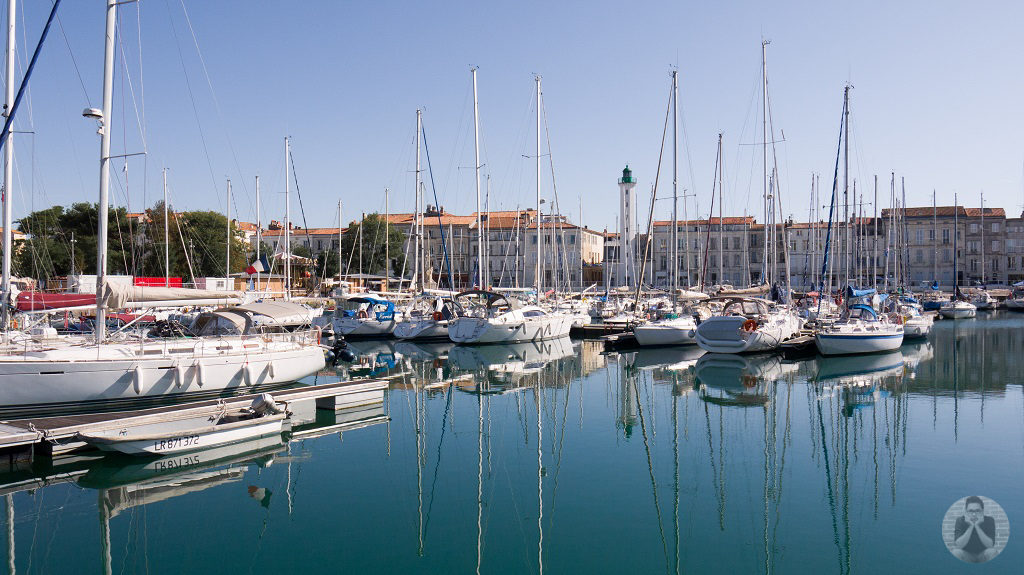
(627, 176)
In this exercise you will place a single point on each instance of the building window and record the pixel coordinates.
(995, 227)
(945, 255)
(995, 246)
(931, 235)
(973, 228)
(919, 236)
(919, 256)
(736, 243)
(945, 236)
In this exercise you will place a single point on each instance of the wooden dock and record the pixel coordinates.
(58, 434)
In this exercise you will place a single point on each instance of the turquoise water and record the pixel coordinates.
(556, 458)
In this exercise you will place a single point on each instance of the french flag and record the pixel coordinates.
(259, 266)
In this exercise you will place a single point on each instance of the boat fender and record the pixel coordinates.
(200, 373)
(137, 380)
(179, 375)
(319, 332)
(750, 325)
(362, 314)
(247, 375)
(270, 369)
(437, 316)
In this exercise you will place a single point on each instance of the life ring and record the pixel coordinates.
(437, 316)
(362, 314)
(750, 325)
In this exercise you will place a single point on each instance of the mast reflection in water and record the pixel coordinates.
(554, 457)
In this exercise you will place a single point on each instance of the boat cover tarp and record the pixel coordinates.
(36, 301)
(690, 294)
(119, 296)
(865, 308)
(750, 291)
(851, 292)
(280, 311)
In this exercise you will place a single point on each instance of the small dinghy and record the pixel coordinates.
(263, 417)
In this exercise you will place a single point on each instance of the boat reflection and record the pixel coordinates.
(740, 380)
(123, 482)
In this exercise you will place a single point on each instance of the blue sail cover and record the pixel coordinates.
(865, 308)
(850, 292)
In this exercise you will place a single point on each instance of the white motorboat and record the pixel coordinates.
(233, 349)
(918, 326)
(958, 309)
(493, 318)
(192, 433)
(1015, 303)
(748, 325)
(916, 322)
(982, 300)
(1016, 300)
(681, 330)
(365, 316)
(860, 331)
(427, 322)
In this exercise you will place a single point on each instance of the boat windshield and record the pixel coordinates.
(742, 307)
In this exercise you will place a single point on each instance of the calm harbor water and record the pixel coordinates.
(557, 458)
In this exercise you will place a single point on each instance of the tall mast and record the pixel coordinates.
(721, 222)
(874, 241)
(167, 238)
(103, 205)
(956, 245)
(8, 243)
(674, 251)
(387, 241)
(418, 266)
(935, 239)
(846, 186)
(287, 228)
(905, 250)
(341, 225)
(476, 171)
(764, 156)
(227, 244)
(982, 238)
(538, 282)
(259, 227)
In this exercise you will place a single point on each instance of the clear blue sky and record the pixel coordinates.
(937, 98)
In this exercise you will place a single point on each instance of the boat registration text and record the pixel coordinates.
(176, 442)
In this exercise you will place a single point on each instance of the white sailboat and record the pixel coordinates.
(861, 330)
(428, 318)
(106, 370)
(747, 325)
(677, 328)
(493, 318)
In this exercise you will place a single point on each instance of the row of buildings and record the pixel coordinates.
(915, 245)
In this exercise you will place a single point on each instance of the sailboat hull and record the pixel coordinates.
(679, 331)
(117, 373)
(857, 343)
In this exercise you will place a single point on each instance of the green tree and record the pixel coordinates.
(204, 236)
(374, 227)
(47, 251)
(328, 258)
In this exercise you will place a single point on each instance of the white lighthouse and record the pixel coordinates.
(627, 237)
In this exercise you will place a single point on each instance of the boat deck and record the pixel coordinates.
(58, 433)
